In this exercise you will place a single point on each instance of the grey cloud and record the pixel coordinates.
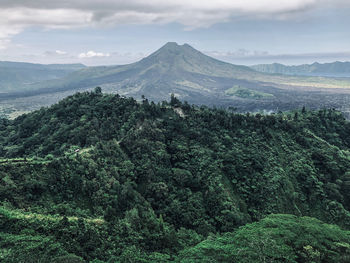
(16, 15)
(191, 13)
(177, 10)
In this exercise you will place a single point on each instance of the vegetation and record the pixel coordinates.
(247, 93)
(277, 238)
(101, 178)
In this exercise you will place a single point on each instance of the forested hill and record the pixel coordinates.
(101, 178)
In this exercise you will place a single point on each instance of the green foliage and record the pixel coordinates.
(245, 93)
(24, 248)
(277, 238)
(109, 179)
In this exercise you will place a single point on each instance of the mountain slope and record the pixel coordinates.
(335, 69)
(17, 76)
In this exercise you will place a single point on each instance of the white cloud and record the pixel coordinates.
(6, 32)
(60, 52)
(240, 53)
(16, 15)
(92, 54)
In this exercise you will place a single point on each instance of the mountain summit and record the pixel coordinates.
(172, 50)
(171, 53)
(184, 57)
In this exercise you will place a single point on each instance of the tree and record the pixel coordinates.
(303, 111)
(174, 101)
(277, 238)
(98, 90)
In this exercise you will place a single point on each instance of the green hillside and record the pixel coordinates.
(245, 93)
(277, 238)
(101, 178)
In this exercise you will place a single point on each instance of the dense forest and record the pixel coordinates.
(103, 178)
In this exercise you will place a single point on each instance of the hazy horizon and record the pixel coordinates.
(251, 60)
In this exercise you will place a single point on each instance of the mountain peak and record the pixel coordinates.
(172, 53)
(172, 57)
(175, 46)
(171, 44)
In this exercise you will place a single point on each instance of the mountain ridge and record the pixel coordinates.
(333, 69)
(20, 64)
(18, 74)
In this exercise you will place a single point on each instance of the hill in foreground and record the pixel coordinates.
(104, 178)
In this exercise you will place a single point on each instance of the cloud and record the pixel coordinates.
(56, 53)
(92, 54)
(6, 32)
(16, 15)
(60, 52)
(13, 21)
(240, 53)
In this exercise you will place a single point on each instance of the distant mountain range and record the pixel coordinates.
(16, 75)
(180, 70)
(335, 69)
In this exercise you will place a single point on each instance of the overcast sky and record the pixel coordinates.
(97, 32)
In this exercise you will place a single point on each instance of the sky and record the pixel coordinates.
(111, 32)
